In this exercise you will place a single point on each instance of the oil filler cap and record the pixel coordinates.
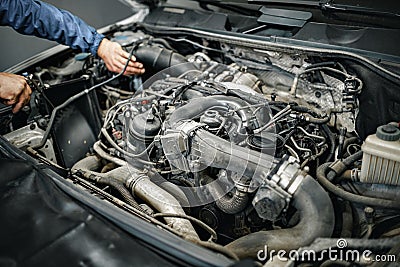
(388, 133)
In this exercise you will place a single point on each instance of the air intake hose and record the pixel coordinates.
(216, 152)
(143, 188)
(155, 59)
(230, 204)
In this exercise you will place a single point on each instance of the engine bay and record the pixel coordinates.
(228, 145)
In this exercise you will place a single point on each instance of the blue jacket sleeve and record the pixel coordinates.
(33, 17)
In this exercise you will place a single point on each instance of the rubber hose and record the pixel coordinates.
(97, 148)
(316, 220)
(194, 108)
(174, 190)
(352, 158)
(368, 201)
(155, 59)
(127, 196)
(92, 163)
(228, 204)
(331, 175)
(199, 105)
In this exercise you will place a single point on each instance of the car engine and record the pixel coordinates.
(229, 146)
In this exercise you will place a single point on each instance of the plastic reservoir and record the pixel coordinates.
(381, 157)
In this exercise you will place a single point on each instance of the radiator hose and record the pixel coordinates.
(316, 220)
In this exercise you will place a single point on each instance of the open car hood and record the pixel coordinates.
(252, 131)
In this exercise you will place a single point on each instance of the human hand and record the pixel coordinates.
(115, 58)
(14, 90)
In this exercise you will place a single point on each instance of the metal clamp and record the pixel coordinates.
(176, 143)
(274, 194)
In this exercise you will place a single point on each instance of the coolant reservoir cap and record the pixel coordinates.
(388, 133)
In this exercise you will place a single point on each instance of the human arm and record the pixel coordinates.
(33, 17)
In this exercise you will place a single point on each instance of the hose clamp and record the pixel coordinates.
(133, 181)
(289, 175)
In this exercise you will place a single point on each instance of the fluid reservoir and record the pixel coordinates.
(142, 130)
(381, 156)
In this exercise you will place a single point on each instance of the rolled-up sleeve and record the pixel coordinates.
(33, 17)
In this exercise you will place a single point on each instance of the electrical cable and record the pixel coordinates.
(77, 96)
(195, 44)
(123, 152)
(192, 219)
